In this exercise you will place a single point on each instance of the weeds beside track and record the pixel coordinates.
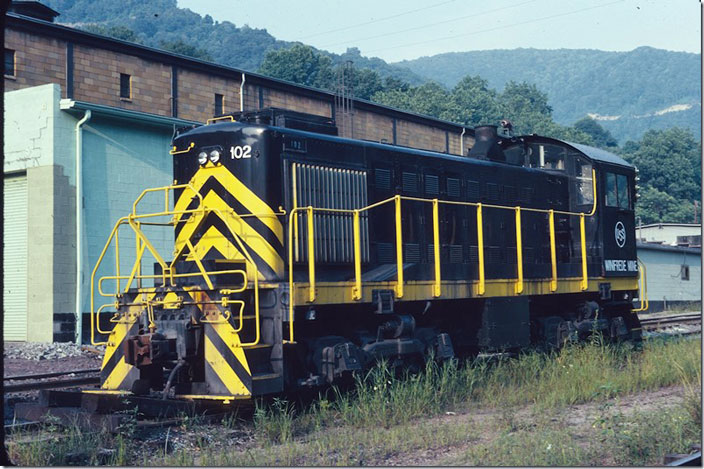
(521, 403)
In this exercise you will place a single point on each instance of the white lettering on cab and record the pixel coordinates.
(239, 152)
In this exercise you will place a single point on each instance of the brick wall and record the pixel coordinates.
(415, 135)
(196, 95)
(369, 126)
(97, 80)
(281, 99)
(38, 60)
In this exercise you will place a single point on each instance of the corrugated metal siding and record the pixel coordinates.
(15, 258)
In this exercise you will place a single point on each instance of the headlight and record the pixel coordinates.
(202, 157)
(215, 156)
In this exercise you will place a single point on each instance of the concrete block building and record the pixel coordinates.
(88, 122)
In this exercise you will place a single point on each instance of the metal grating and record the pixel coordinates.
(411, 252)
(492, 191)
(337, 188)
(385, 253)
(473, 190)
(453, 187)
(410, 182)
(525, 194)
(432, 184)
(456, 254)
(382, 178)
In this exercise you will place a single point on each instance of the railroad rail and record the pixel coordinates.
(664, 322)
(34, 382)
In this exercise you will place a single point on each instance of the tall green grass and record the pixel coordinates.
(382, 414)
(594, 371)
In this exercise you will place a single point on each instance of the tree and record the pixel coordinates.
(299, 64)
(180, 47)
(430, 99)
(655, 206)
(474, 103)
(118, 32)
(602, 138)
(669, 161)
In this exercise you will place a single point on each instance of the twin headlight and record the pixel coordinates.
(213, 156)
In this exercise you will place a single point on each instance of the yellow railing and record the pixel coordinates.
(168, 275)
(642, 287)
(437, 282)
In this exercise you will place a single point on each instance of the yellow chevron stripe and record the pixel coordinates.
(248, 234)
(239, 191)
(222, 369)
(117, 336)
(232, 339)
(213, 238)
(118, 375)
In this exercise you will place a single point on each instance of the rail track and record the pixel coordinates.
(56, 380)
(661, 323)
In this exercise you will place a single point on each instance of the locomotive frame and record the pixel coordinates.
(298, 259)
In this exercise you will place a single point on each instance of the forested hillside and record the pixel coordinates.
(645, 103)
(629, 92)
(161, 24)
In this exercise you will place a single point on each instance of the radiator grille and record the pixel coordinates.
(327, 187)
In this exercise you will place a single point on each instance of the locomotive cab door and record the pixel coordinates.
(618, 221)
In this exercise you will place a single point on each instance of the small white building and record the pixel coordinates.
(674, 276)
(668, 233)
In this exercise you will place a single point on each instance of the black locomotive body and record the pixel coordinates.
(301, 257)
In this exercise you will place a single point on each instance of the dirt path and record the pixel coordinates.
(577, 420)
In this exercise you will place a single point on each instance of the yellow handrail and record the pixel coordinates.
(399, 248)
(311, 255)
(480, 249)
(553, 252)
(215, 119)
(174, 151)
(519, 253)
(142, 243)
(642, 287)
(357, 293)
(437, 283)
(583, 245)
(436, 249)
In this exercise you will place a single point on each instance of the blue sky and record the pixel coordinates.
(397, 30)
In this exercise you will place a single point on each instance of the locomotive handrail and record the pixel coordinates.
(642, 287)
(437, 282)
(142, 243)
(174, 151)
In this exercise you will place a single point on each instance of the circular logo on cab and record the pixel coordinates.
(620, 234)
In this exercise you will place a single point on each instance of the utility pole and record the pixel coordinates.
(696, 211)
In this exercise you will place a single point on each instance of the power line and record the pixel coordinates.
(428, 25)
(377, 20)
(496, 28)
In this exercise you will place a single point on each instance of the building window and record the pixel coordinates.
(9, 63)
(219, 104)
(125, 86)
(685, 272)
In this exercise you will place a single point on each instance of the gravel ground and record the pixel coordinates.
(22, 358)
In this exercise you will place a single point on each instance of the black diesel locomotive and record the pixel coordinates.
(301, 257)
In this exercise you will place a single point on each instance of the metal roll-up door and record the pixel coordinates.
(15, 258)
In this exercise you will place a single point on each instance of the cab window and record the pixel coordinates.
(617, 193)
(622, 184)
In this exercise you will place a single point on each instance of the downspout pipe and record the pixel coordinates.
(79, 225)
(242, 93)
(462, 141)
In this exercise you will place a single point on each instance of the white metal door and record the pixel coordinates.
(14, 258)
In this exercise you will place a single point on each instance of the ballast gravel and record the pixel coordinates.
(47, 351)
